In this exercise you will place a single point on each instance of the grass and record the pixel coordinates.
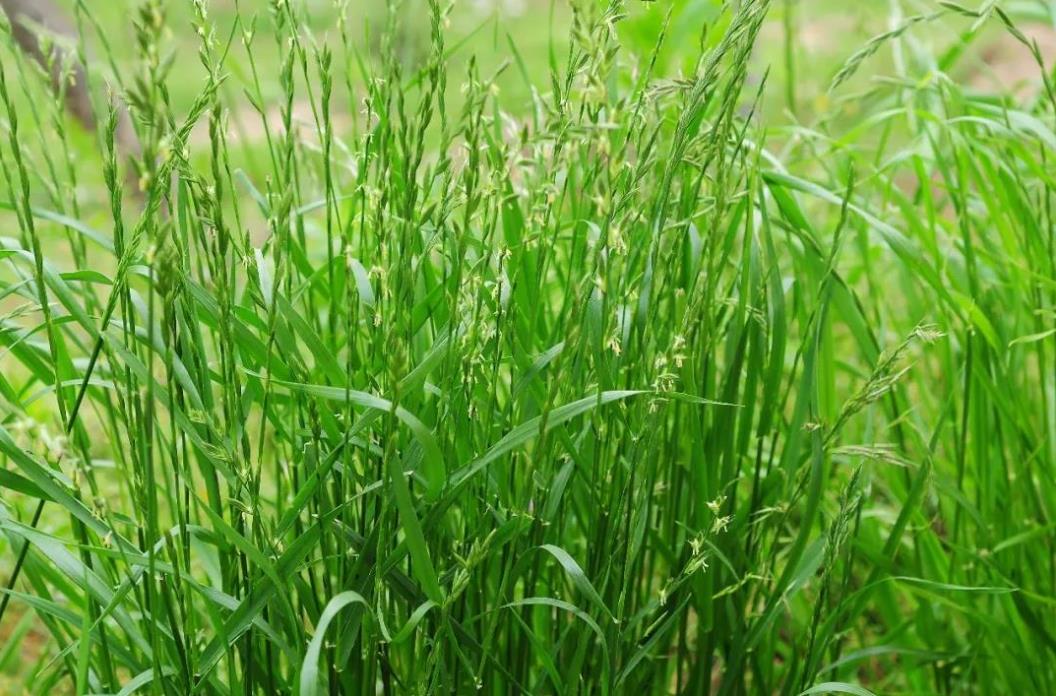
(668, 372)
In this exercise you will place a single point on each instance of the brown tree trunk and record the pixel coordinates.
(28, 18)
(31, 18)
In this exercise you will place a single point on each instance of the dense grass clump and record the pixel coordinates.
(655, 380)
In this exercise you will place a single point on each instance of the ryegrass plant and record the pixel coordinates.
(631, 389)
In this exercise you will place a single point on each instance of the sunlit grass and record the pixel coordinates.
(651, 375)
